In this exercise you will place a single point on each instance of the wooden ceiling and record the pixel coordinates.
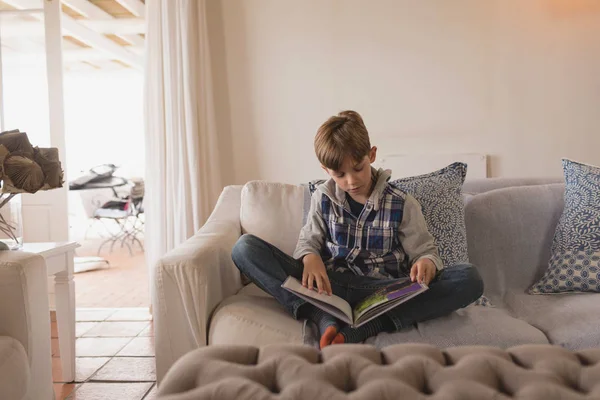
(97, 34)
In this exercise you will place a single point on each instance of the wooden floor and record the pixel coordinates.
(123, 284)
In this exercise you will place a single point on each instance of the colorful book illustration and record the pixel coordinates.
(371, 307)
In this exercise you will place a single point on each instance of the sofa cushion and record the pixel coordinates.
(439, 194)
(253, 316)
(571, 320)
(273, 212)
(14, 369)
(575, 262)
(468, 326)
(510, 233)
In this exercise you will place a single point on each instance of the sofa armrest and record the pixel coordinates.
(25, 315)
(191, 280)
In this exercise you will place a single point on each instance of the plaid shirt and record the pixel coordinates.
(368, 244)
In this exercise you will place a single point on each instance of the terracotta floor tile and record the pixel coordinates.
(53, 330)
(62, 390)
(116, 329)
(91, 315)
(131, 314)
(149, 331)
(152, 394)
(138, 347)
(129, 369)
(99, 347)
(55, 348)
(112, 391)
(83, 327)
(84, 368)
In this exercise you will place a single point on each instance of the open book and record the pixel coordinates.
(372, 306)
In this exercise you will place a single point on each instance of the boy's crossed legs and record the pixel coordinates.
(267, 266)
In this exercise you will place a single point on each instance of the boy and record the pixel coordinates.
(361, 234)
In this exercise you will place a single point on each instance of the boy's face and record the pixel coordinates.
(355, 177)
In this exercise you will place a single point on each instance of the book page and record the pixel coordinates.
(333, 304)
(386, 298)
(382, 308)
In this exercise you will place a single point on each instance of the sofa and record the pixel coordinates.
(25, 350)
(200, 299)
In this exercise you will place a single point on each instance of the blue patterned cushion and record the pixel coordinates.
(575, 261)
(439, 194)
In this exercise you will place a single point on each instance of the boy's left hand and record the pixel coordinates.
(423, 270)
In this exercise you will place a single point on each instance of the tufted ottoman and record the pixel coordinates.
(407, 371)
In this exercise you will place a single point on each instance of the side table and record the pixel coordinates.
(60, 264)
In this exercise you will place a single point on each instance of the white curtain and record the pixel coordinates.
(182, 166)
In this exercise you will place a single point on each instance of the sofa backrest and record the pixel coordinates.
(510, 233)
(477, 186)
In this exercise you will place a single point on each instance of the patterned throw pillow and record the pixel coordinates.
(439, 194)
(575, 261)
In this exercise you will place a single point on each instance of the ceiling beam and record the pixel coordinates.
(87, 9)
(91, 11)
(122, 26)
(136, 7)
(101, 42)
(86, 35)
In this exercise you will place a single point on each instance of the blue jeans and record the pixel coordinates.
(267, 266)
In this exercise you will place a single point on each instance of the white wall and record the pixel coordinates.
(516, 80)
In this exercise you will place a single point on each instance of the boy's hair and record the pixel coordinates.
(341, 136)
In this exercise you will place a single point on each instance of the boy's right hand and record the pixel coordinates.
(315, 272)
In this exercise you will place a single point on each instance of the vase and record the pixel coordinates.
(11, 220)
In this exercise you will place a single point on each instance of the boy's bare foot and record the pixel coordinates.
(328, 336)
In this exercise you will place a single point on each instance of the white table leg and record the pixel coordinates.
(65, 317)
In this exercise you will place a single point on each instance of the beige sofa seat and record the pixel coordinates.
(407, 371)
(256, 316)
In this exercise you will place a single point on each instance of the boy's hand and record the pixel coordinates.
(315, 272)
(423, 271)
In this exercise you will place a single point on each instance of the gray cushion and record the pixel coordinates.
(571, 320)
(509, 232)
(469, 326)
